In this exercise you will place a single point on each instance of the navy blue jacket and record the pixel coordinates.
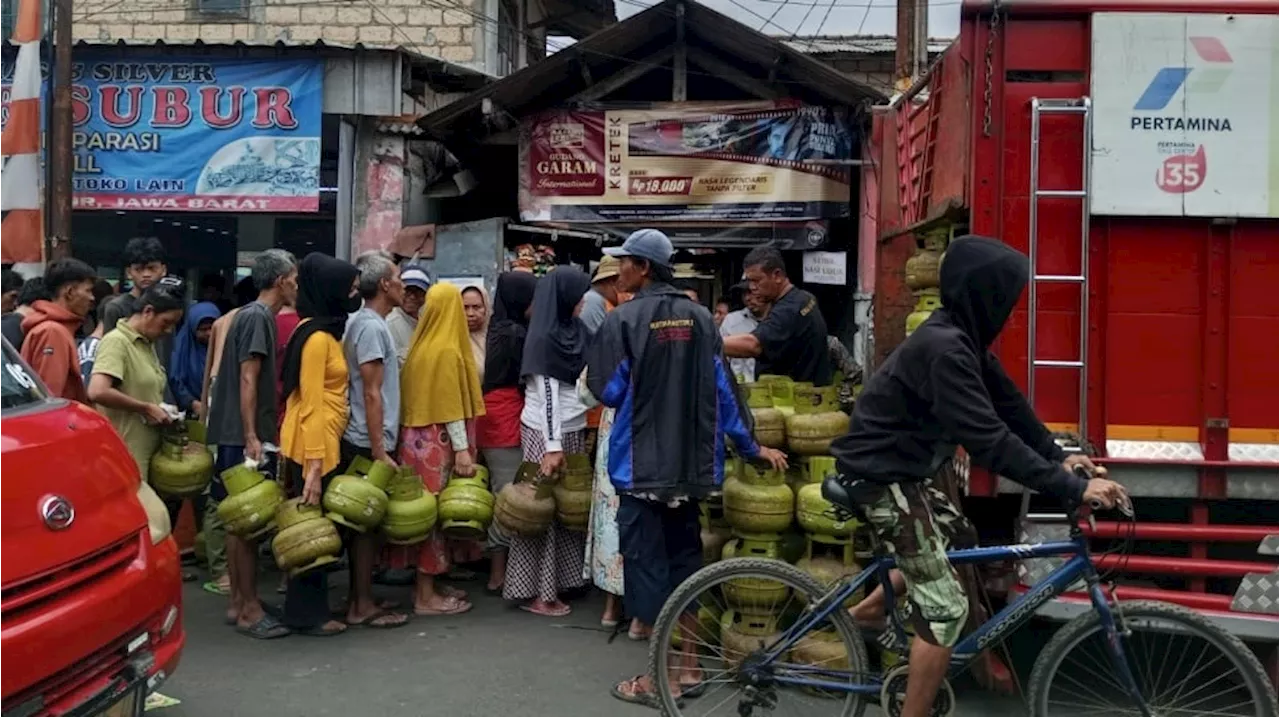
(657, 360)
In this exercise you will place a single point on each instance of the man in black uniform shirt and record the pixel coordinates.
(792, 339)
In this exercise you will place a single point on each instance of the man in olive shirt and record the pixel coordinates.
(792, 340)
(242, 417)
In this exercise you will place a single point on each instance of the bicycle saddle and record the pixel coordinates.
(836, 492)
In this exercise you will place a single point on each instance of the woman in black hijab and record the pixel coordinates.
(315, 382)
(552, 423)
(498, 430)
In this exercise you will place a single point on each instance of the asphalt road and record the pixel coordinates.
(495, 661)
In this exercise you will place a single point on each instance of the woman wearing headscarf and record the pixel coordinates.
(439, 401)
(498, 432)
(602, 562)
(315, 381)
(552, 423)
(190, 348)
(475, 306)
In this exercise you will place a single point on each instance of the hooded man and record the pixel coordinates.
(50, 328)
(940, 388)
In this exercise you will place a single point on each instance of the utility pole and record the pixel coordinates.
(61, 164)
(911, 52)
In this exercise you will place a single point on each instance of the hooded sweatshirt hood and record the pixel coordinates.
(982, 279)
(42, 311)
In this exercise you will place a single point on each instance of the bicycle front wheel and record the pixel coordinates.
(1184, 666)
(710, 642)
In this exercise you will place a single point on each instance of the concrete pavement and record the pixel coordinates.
(495, 661)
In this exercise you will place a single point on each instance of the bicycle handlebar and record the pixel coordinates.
(1125, 506)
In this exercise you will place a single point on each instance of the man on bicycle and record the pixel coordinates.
(940, 389)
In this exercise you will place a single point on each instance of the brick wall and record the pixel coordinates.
(449, 34)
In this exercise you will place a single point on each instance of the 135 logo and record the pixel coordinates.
(1182, 173)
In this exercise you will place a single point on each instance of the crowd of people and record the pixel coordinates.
(331, 360)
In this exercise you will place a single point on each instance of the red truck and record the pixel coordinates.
(90, 580)
(1129, 147)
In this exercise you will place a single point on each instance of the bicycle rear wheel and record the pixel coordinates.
(1185, 666)
(730, 612)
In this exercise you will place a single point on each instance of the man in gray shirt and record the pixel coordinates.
(603, 295)
(242, 417)
(375, 412)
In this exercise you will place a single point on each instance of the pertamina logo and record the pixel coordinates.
(1207, 77)
(1185, 168)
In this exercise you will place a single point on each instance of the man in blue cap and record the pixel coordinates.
(404, 318)
(657, 360)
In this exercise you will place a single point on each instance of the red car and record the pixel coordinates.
(90, 580)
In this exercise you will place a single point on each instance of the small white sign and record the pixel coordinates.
(825, 267)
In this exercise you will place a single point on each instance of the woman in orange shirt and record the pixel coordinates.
(315, 381)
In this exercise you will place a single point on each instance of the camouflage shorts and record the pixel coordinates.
(916, 523)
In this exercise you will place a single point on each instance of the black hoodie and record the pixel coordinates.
(943, 387)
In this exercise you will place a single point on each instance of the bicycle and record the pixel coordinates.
(773, 649)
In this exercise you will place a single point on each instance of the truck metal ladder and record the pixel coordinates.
(1040, 108)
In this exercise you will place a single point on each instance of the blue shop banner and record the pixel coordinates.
(200, 135)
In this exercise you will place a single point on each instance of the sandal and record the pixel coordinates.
(216, 587)
(630, 691)
(561, 611)
(451, 591)
(379, 621)
(268, 628)
(454, 607)
(382, 605)
(320, 631)
(496, 592)
(273, 610)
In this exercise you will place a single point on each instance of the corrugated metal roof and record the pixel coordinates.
(856, 44)
(559, 77)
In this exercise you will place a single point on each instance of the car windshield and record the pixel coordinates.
(18, 387)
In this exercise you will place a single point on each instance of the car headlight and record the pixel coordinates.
(157, 514)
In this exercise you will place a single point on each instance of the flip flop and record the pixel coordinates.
(549, 613)
(318, 631)
(385, 605)
(212, 587)
(608, 624)
(458, 607)
(372, 623)
(451, 591)
(273, 610)
(496, 592)
(635, 697)
(268, 628)
(637, 637)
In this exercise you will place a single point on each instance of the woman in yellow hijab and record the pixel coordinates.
(439, 401)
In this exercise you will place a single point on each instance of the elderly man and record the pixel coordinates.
(375, 412)
(242, 420)
(656, 359)
(603, 295)
(403, 319)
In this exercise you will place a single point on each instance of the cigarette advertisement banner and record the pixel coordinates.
(1185, 115)
(761, 161)
(206, 135)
